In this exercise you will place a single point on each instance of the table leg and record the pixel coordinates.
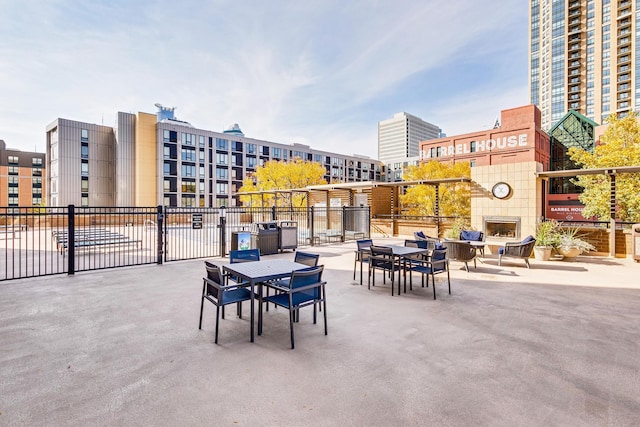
(252, 308)
(259, 309)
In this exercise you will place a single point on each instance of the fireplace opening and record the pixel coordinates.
(506, 227)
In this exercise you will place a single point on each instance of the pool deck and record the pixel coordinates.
(557, 344)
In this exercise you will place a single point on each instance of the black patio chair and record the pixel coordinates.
(306, 289)
(247, 255)
(382, 258)
(521, 250)
(436, 264)
(362, 255)
(218, 289)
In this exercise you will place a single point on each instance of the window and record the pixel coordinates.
(188, 155)
(84, 135)
(276, 154)
(167, 152)
(166, 169)
(251, 162)
(170, 136)
(201, 171)
(13, 181)
(84, 201)
(36, 161)
(222, 144)
(13, 191)
(84, 169)
(13, 170)
(189, 170)
(222, 173)
(84, 151)
(222, 159)
(13, 160)
(36, 172)
(201, 141)
(189, 139)
(474, 146)
(84, 185)
(222, 188)
(188, 187)
(251, 148)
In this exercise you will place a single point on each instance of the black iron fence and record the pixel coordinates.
(42, 241)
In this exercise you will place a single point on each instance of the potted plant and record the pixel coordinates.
(570, 244)
(546, 239)
(453, 233)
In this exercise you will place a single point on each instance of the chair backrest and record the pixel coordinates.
(364, 244)
(381, 251)
(461, 251)
(422, 244)
(419, 235)
(214, 274)
(306, 277)
(307, 258)
(439, 254)
(244, 256)
(472, 235)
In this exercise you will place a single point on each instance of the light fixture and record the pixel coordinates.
(223, 211)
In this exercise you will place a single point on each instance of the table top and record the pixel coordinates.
(404, 250)
(260, 271)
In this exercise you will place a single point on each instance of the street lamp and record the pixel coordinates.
(223, 237)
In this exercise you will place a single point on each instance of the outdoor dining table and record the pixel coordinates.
(403, 253)
(258, 272)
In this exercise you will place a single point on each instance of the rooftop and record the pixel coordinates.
(554, 344)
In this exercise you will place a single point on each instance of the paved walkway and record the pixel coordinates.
(558, 344)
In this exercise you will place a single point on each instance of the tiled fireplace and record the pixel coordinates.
(501, 227)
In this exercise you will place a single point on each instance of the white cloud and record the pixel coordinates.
(289, 72)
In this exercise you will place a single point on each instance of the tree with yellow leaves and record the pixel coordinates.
(277, 175)
(619, 146)
(455, 198)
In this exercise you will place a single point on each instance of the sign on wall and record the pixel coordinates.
(480, 146)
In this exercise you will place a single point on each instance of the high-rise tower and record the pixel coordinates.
(584, 56)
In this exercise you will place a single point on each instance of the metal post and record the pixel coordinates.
(344, 224)
(311, 225)
(71, 240)
(612, 211)
(223, 226)
(160, 234)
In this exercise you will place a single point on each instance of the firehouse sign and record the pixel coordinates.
(511, 141)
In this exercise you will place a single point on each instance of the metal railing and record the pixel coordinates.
(41, 241)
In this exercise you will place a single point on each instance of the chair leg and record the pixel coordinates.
(291, 313)
(499, 259)
(324, 302)
(218, 320)
(240, 309)
(466, 265)
(201, 308)
(449, 281)
(433, 283)
(527, 262)
(223, 311)
(474, 264)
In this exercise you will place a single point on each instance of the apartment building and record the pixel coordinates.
(21, 177)
(584, 55)
(150, 159)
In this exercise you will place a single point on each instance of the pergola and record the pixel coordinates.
(611, 172)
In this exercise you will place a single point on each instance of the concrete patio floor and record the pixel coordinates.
(558, 344)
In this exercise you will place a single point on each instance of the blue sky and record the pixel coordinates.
(317, 72)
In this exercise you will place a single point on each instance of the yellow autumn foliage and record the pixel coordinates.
(619, 146)
(277, 175)
(455, 198)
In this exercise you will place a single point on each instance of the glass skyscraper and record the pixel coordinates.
(584, 56)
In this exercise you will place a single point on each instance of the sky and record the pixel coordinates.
(316, 72)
